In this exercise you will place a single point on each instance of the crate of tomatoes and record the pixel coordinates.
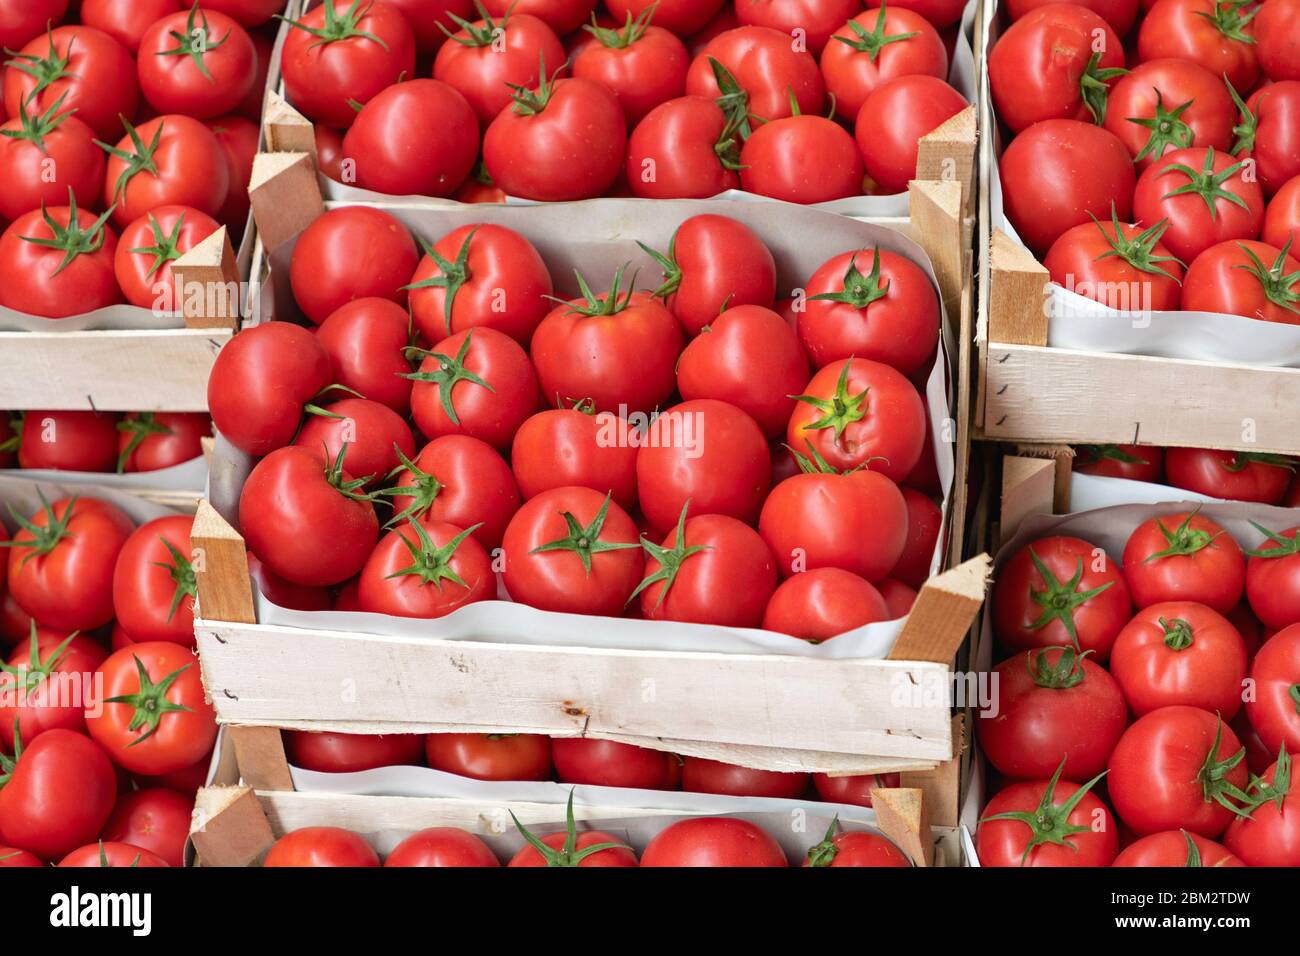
(1141, 208)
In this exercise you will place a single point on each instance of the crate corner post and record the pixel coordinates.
(229, 827)
(208, 284)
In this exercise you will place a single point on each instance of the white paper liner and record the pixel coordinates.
(190, 475)
(23, 495)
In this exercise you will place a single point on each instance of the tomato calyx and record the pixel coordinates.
(814, 464)
(181, 571)
(452, 275)
(37, 669)
(338, 26)
(12, 430)
(143, 426)
(1167, 128)
(449, 372)
(1213, 777)
(1206, 183)
(584, 542)
(1247, 125)
(568, 855)
(71, 240)
(824, 853)
(612, 304)
(1094, 86)
(620, 38)
(872, 41)
(150, 702)
(9, 761)
(1060, 599)
(429, 563)
(44, 538)
(103, 857)
(46, 70)
(530, 102)
(1098, 453)
(1050, 822)
(34, 128)
(475, 35)
(195, 41)
(1242, 459)
(858, 290)
(841, 410)
(670, 559)
(166, 245)
(1067, 672)
(141, 160)
(1183, 540)
(672, 272)
(423, 489)
(1230, 19)
(334, 477)
(1137, 251)
(1277, 284)
(1178, 633)
(733, 100)
(1193, 851)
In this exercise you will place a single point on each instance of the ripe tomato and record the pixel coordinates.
(1179, 652)
(1270, 835)
(68, 440)
(488, 57)
(1217, 34)
(336, 55)
(709, 570)
(854, 789)
(1177, 768)
(351, 253)
(85, 68)
(110, 854)
(304, 518)
(1246, 278)
(1206, 197)
(1062, 173)
(635, 341)
(442, 846)
(1277, 40)
(327, 752)
(570, 848)
(375, 436)
(713, 776)
(249, 13)
(855, 412)
(562, 16)
(238, 137)
(329, 151)
(1117, 264)
(156, 820)
(573, 446)
(871, 304)
(126, 21)
(1175, 848)
(171, 160)
(1056, 709)
(1237, 476)
(153, 717)
(491, 756)
(425, 569)
(1061, 591)
(587, 761)
(644, 65)
(855, 849)
(478, 383)
(278, 591)
(58, 792)
(61, 562)
(9, 857)
(44, 157)
(480, 275)
(46, 683)
(801, 159)
(684, 149)
(682, 17)
(777, 78)
(1120, 14)
(260, 382)
(875, 47)
(153, 582)
(808, 22)
(892, 121)
(321, 846)
(1282, 217)
(20, 20)
(393, 152)
(151, 441)
(1184, 557)
(1169, 104)
(941, 13)
(58, 262)
(199, 63)
(1047, 823)
(707, 453)
(713, 842)
(366, 341)
(1275, 710)
(148, 247)
(1272, 581)
(1134, 462)
(822, 603)
(924, 525)
(573, 551)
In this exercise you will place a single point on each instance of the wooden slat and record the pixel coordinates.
(221, 568)
(285, 195)
(941, 785)
(903, 815)
(229, 827)
(947, 154)
(207, 280)
(259, 752)
(937, 227)
(1017, 294)
(1028, 488)
(287, 130)
(943, 613)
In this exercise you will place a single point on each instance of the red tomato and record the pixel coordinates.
(442, 846)
(823, 603)
(264, 44)
(478, 383)
(1237, 476)
(1244, 278)
(103, 854)
(1061, 591)
(329, 152)
(589, 848)
(171, 160)
(61, 562)
(302, 516)
(427, 570)
(127, 20)
(562, 16)
(327, 752)
(587, 761)
(249, 13)
(1217, 34)
(35, 145)
(1177, 768)
(94, 71)
(1277, 39)
(153, 717)
(68, 441)
(855, 849)
(20, 20)
(766, 66)
(151, 441)
(392, 148)
(684, 149)
(713, 842)
(809, 23)
(924, 525)
(156, 820)
(1178, 652)
(457, 480)
(338, 54)
(148, 247)
(644, 65)
(260, 382)
(58, 262)
(18, 858)
(375, 437)
(491, 756)
(1056, 709)
(1169, 104)
(871, 304)
(1117, 264)
(58, 793)
(713, 776)
(854, 789)
(875, 47)
(801, 159)
(200, 63)
(855, 412)
(635, 341)
(321, 846)
(238, 137)
(428, 20)
(572, 446)
(1282, 217)
(351, 253)
(1184, 557)
(1120, 14)
(1134, 462)
(892, 122)
(488, 57)
(941, 13)
(1184, 185)
(1175, 848)
(1273, 579)
(899, 598)
(573, 551)
(683, 17)
(46, 684)
(1270, 835)
(153, 582)
(1061, 173)
(1047, 823)
(1275, 710)
(480, 275)
(284, 593)
(366, 341)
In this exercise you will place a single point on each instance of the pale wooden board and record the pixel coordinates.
(1027, 489)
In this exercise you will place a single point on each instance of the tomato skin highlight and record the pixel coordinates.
(670, 153)
(1207, 565)
(1274, 712)
(608, 763)
(491, 756)
(321, 846)
(821, 603)
(442, 846)
(801, 159)
(351, 253)
(713, 841)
